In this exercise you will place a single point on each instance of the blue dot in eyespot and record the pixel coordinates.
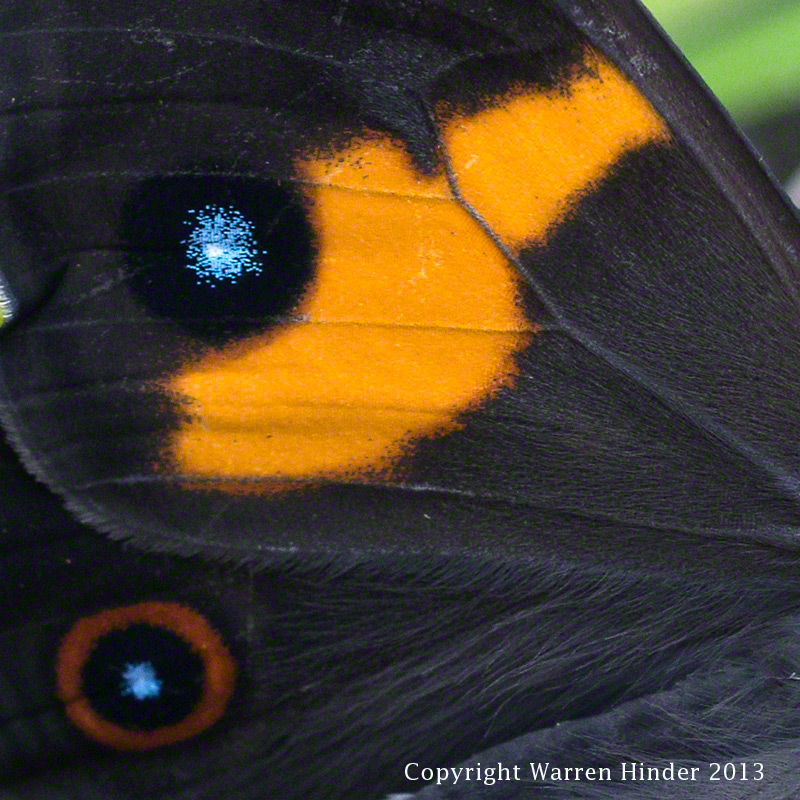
(141, 681)
(221, 246)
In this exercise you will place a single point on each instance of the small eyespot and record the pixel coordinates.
(144, 676)
(221, 257)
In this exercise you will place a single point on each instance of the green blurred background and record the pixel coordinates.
(748, 51)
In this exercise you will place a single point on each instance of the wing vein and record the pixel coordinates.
(783, 479)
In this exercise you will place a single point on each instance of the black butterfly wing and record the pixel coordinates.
(658, 339)
(643, 750)
(628, 451)
(56, 572)
(660, 745)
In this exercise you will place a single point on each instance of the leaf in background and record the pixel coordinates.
(745, 50)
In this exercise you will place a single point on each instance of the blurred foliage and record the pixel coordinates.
(748, 52)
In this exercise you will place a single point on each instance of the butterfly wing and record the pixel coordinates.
(469, 309)
(173, 428)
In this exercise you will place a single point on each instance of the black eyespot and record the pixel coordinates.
(143, 676)
(223, 257)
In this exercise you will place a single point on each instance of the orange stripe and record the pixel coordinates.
(523, 163)
(412, 319)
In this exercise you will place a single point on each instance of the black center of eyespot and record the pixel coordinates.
(143, 677)
(223, 257)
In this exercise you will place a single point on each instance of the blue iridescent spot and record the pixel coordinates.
(221, 245)
(141, 681)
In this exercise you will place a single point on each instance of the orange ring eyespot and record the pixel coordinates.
(144, 676)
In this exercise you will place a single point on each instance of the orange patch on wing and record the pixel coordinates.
(523, 163)
(413, 318)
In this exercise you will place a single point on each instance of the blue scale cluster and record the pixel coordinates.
(222, 245)
(141, 681)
